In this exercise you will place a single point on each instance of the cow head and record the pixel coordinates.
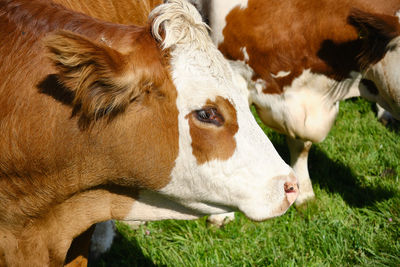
(178, 118)
(379, 58)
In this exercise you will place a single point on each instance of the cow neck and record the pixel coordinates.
(44, 174)
(45, 241)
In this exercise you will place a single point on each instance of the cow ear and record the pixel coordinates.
(376, 31)
(99, 77)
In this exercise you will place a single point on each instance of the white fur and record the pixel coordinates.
(181, 23)
(200, 73)
(219, 220)
(245, 54)
(304, 109)
(280, 74)
(152, 206)
(219, 9)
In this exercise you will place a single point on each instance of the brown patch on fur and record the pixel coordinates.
(50, 169)
(294, 35)
(209, 141)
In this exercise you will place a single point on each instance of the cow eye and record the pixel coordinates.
(209, 115)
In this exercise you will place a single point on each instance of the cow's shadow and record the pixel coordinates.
(123, 252)
(336, 177)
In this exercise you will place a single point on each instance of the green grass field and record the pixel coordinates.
(354, 221)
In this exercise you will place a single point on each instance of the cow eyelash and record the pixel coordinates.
(209, 115)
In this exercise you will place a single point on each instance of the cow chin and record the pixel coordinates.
(207, 208)
(282, 193)
(152, 206)
(262, 212)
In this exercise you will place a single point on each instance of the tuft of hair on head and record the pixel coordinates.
(102, 82)
(376, 31)
(178, 22)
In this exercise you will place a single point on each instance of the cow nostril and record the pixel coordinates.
(290, 187)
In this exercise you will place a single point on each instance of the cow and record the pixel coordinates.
(105, 121)
(301, 57)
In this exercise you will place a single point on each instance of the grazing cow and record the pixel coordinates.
(105, 121)
(301, 57)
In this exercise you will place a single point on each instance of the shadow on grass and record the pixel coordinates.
(123, 253)
(336, 177)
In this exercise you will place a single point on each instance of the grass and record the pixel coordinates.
(354, 221)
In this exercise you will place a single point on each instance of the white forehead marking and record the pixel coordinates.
(219, 10)
(280, 74)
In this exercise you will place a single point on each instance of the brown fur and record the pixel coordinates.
(295, 35)
(118, 11)
(49, 164)
(375, 32)
(126, 12)
(206, 136)
(45, 240)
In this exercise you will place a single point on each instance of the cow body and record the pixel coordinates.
(105, 121)
(301, 58)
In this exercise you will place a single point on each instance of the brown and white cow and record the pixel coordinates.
(301, 57)
(104, 121)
